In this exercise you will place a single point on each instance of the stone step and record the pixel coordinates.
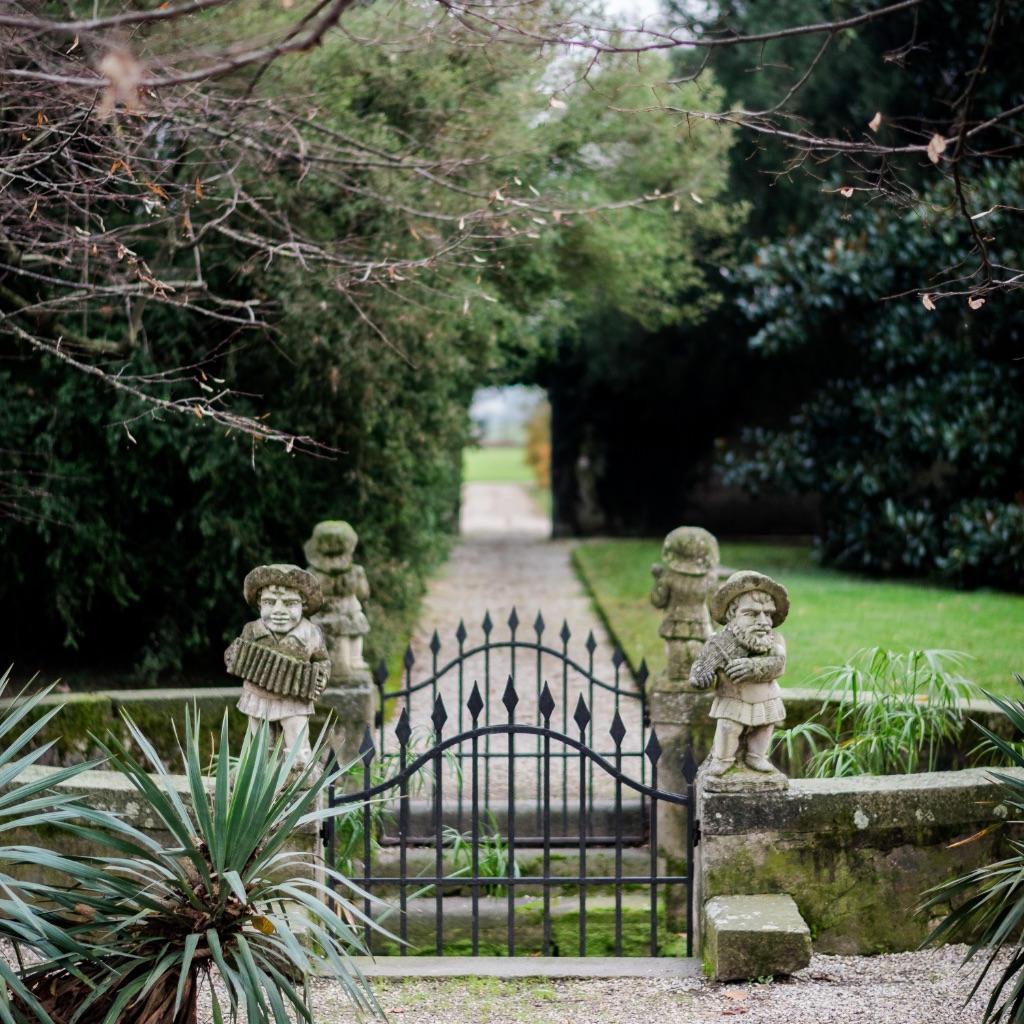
(760, 936)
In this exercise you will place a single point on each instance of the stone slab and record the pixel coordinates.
(754, 937)
(527, 967)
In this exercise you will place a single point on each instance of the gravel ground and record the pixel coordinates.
(900, 988)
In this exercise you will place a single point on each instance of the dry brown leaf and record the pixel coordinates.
(738, 994)
(74, 44)
(936, 147)
(876, 122)
(846, 192)
(927, 302)
(975, 302)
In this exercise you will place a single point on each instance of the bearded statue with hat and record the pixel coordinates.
(281, 657)
(745, 660)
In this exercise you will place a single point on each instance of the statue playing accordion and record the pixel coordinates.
(281, 657)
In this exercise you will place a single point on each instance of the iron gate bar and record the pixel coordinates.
(588, 760)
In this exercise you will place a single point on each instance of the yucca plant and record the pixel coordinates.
(988, 903)
(140, 931)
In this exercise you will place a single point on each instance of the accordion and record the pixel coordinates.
(720, 649)
(270, 670)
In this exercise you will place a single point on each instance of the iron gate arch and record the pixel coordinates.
(625, 698)
(361, 802)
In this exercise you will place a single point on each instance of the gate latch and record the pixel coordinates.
(696, 832)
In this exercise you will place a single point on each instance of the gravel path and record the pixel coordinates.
(901, 988)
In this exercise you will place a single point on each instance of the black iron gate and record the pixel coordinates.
(385, 817)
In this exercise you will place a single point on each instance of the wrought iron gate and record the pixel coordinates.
(463, 792)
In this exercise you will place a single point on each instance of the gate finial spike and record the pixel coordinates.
(475, 704)
(618, 657)
(513, 620)
(591, 644)
(435, 644)
(510, 698)
(487, 625)
(538, 625)
(460, 633)
(546, 705)
(565, 633)
(653, 748)
(403, 732)
(581, 716)
(409, 659)
(618, 730)
(689, 763)
(366, 748)
(380, 673)
(642, 674)
(439, 717)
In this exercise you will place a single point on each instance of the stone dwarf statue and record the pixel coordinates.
(329, 552)
(281, 657)
(682, 586)
(746, 659)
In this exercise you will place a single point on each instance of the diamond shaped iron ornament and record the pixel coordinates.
(487, 625)
(513, 620)
(618, 730)
(439, 717)
(618, 657)
(403, 732)
(653, 748)
(435, 644)
(380, 673)
(410, 659)
(591, 644)
(581, 716)
(460, 633)
(538, 625)
(689, 763)
(642, 674)
(475, 704)
(565, 633)
(510, 698)
(546, 704)
(366, 748)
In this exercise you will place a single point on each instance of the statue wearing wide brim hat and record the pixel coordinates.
(743, 662)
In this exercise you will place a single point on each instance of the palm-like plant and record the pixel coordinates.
(988, 903)
(139, 932)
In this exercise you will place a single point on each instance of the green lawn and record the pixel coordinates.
(833, 614)
(495, 465)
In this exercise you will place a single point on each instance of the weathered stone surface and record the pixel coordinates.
(754, 937)
(856, 853)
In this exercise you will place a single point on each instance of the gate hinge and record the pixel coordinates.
(696, 832)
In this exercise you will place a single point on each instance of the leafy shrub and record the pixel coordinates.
(884, 713)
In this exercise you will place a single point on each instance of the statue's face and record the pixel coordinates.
(752, 614)
(280, 609)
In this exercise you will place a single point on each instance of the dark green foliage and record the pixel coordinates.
(914, 436)
(988, 904)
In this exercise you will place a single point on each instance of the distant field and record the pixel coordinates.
(495, 465)
(833, 614)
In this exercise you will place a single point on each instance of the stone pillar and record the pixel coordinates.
(678, 711)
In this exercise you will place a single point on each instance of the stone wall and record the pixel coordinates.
(855, 854)
(84, 717)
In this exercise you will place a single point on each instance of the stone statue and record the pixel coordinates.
(329, 552)
(746, 659)
(281, 657)
(682, 586)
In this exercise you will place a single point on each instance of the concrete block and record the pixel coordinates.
(754, 937)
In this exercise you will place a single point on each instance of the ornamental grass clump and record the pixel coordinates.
(988, 903)
(137, 933)
(883, 713)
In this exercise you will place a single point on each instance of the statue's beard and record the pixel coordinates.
(749, 638)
